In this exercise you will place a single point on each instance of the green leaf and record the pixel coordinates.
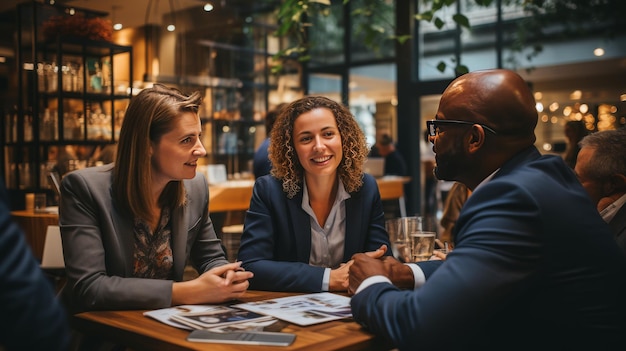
(437, 5)
(439, 23)
(425, 16)
(402, 38)
(461, 20)
(441, 66)
(461, 69)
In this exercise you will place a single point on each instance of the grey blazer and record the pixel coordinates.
(98, 244)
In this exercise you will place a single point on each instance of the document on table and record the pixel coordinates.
(229, 319)
(164, 315)
(220, 318)
(303, 310)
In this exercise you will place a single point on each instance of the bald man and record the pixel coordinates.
(534, 265)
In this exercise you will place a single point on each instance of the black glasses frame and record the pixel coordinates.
(432, 125)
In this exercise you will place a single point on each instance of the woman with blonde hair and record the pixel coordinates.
(317, 208)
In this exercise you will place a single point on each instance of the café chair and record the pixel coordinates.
(231, 239)
(52, 262)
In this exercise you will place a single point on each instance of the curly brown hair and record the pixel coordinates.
(282, 152)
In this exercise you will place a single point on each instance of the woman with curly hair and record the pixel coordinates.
(317, 208)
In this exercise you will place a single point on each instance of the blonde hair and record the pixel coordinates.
(152, 113)
(282, 153)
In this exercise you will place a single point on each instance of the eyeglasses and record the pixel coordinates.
(433, 125)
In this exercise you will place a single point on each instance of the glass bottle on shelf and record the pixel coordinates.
(51, 76)
(48, 125)
(28, 125)
(106, 74)
(96, 79)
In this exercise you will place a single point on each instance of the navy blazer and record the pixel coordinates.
(534, 267)
(31, 317)
(276, 241)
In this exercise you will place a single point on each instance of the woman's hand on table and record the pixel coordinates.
(339, 277)
(219, 284)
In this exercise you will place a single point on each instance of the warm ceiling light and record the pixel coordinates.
(539, 107)
(598, 52)
(116, 25)
(208, 7)
(567, 111)
(172, 27)
(576, 95)
(622, 97)
(554, 106)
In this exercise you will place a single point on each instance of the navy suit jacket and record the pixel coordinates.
(534, 267)
(276, 241)
(31, 318)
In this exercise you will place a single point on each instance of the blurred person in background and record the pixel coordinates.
(261, 164)
(601, 168)
(456, 198)
(386, 148)
(575, 131)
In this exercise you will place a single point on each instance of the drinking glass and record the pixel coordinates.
(40, 202)
(422, 237)
(399, 230)
(422, 245)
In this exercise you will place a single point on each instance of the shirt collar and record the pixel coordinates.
(342, 194)
(486, 180)
(609, 212)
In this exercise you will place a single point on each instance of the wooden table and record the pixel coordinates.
(232, 195)
(34, 226)
(132, 329)
(235, 195)
(392, 188)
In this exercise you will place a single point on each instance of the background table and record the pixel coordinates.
(223, 198)
(34, 226)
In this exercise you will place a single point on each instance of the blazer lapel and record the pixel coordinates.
(301, 225)
(179, 240)
(353, 226)
(124, 224)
